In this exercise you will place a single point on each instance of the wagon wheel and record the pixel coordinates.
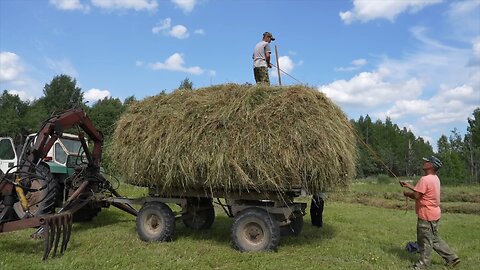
(155, 222)
(254, 229)
(294, 227)
(200, 214)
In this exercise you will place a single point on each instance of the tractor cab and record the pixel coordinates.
(8, 156)
(66, 153)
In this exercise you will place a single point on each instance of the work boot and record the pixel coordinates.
(453, 262)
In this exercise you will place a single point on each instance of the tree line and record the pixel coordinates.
(383, 147)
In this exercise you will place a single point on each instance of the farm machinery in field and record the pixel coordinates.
(30, 195)
(34, 195)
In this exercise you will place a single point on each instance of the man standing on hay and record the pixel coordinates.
(427, 206)
(261, 59)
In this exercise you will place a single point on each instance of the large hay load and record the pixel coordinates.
(236, 138)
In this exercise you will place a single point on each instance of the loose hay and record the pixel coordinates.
(236, 137)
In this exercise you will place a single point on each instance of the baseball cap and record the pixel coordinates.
(435, 161)
(268, 34)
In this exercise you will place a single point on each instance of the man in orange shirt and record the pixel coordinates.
(427, 206)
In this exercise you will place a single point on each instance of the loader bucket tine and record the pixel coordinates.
(69, 229)
(65, 231)
(46, 241)
(51, 237)
(57, 222)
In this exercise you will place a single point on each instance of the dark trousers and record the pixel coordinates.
(316, 210)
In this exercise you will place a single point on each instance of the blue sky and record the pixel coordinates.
(417, 62)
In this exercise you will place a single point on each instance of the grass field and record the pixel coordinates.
(356, 235)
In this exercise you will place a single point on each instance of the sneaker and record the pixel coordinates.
(453, 263)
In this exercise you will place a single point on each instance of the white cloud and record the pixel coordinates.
(185, 5)
(463, 18)
(62, 67)
(199, 32)
(286, 65)
(139, 63)
(69, 5)
(176, 63)
(93, 95)
(354, 65)
(138, 5)
(366, 10)
(369, 89)
(21, 94)
(165, 24)
(14, 77)
(176, 31)
(179, 31)
(475, 60)
(10, 66)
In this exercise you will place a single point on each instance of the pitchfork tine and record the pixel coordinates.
(46, 241)
(65, 231)
(57, 222)
(69, 229)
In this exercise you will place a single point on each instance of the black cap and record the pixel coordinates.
(268, 34)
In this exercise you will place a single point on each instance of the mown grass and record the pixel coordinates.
(354, 236)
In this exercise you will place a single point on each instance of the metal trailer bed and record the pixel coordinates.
(260, 218)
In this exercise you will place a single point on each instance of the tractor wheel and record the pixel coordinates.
(41, 202)
(200, 214)
(86, 213)
(294, 228)
(155, 222)
(254, 229)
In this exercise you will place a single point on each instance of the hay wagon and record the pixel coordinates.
(252, 149)
(260, 218)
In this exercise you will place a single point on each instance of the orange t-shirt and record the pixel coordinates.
(428, 206)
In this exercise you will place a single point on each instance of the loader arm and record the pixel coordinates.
(53, 128)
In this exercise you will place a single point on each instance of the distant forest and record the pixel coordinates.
(383, 147)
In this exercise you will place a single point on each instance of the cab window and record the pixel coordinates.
(6, 149)
(60, 155)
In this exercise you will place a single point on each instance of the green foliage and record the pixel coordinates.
(383, 179)
(454, 169)
(186, 84)
(12, 113)
(384, 148)
(105, 114)
(62, 93)
(472, 146)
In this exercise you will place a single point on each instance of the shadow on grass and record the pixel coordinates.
(221, 233)
(105, 218)
(402, 254)
(24, 246)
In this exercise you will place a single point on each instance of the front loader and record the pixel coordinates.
(29, 194)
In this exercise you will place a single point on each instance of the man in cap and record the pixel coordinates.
(427, 206)
(261, 59)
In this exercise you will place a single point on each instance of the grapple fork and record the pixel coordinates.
(56, 227)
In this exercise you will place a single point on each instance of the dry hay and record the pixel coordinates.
(236, 137)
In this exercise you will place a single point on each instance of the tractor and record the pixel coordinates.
(55, 181)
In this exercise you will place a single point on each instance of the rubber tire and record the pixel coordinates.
(294, 228)
(42, 202)
(250, 223)
(86, 213)
(155, 222)
(199, 219)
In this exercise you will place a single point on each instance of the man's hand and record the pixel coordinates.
(403, 183)
(270, 65)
